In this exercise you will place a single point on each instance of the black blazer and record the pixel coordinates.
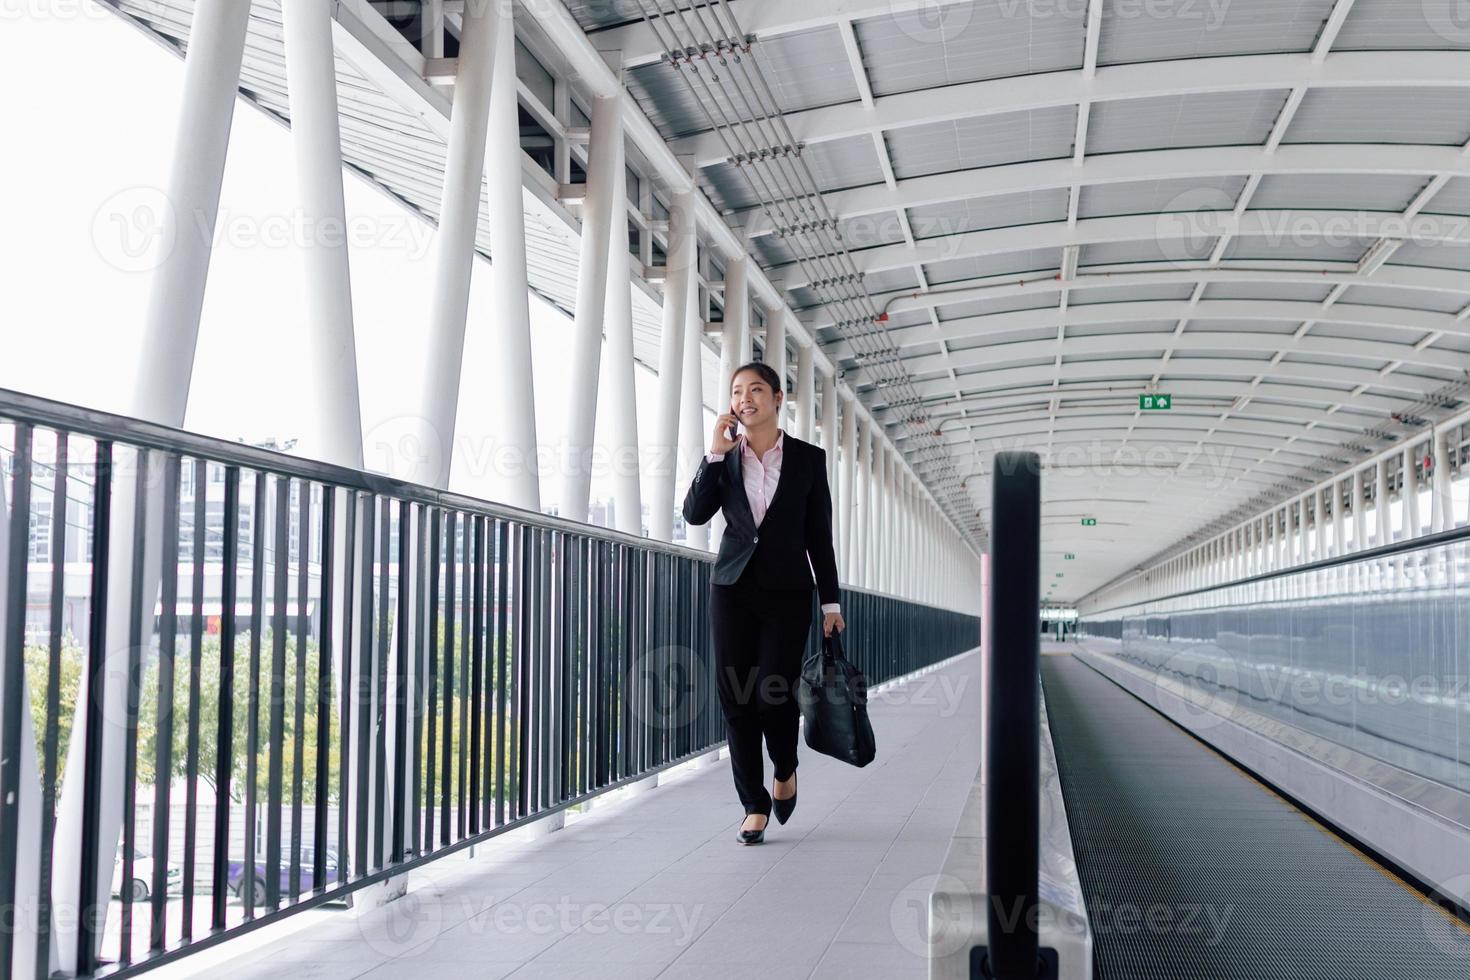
(797, 525)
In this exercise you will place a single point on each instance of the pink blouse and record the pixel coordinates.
(761, 474)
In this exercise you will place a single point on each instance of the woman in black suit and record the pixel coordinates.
(772, 488)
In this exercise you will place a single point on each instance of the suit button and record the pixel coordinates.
(755, 539)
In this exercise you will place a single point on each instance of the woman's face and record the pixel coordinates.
(752, 400)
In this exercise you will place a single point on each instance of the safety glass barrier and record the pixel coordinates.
(1371, 652)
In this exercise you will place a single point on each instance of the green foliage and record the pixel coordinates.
(150, 698)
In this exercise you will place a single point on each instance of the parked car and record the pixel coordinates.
(308, 865)
(140, 887)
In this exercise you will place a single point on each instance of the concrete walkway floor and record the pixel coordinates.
(657, 886)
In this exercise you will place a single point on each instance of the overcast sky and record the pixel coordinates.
(91, 109)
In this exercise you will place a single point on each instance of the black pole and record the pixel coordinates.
(1012, 805)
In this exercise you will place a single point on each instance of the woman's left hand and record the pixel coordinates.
(830, 620)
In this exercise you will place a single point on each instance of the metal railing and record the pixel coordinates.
(299, 680)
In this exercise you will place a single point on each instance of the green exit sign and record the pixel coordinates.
(1089, 522)
(1155, 403)
(1069, 557)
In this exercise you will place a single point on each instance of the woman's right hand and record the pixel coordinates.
(721, 442)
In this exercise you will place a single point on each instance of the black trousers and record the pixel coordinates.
(760, 636)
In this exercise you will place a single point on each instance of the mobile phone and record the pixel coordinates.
(730, 432)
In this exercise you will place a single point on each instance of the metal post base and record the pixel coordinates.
(1047, 966)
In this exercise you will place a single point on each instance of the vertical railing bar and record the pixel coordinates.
(53, 703)
(446, 791)
(485, 692)
(401, 762)
(436, 532)
(599, 648)
(14, 681)
(276, 737)
(298, 733)
(520, 744)
(561, 659)
(477, 655)
(420, 670)
(362, 690)
(89, 920)
(252, 724)
(137, 615)
(544, 678)
(502, 663)
(196, 660)
(164, 740)
(467, 634)
(380, 683)
(225, 724)
(324, 605)
(346, 690)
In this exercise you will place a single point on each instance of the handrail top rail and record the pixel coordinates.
(107, 426)
(1386, 550)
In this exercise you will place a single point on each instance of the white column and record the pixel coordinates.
(1443, 511)
(1380, 505)
(806, 404)
(513, 401)
(604, 179)
(311, 80)
(171, 326)
(846, 487)
(885, 519)
(160, 394)
(1321, 497)
(830, 433)
(734, 341)
(877, 499)
(737, 317)
(912, 539)
(863, 519)
(1413, 526)
(617, 364)
(454, 242)
(931, 530)
(663, 457)
(775, 356)
(1360, 513)
(901, 549)
(694, 435)
(1339, 517)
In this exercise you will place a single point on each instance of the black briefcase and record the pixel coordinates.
(833, 695)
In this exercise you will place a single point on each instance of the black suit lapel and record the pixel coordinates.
(737, 481)
(790, 459)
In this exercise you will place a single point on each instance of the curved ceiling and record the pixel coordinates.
(1006, 220)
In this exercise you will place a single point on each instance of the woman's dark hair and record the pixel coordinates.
(766, 372)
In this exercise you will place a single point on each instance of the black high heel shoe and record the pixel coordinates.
(754, 836)
(784, 808)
